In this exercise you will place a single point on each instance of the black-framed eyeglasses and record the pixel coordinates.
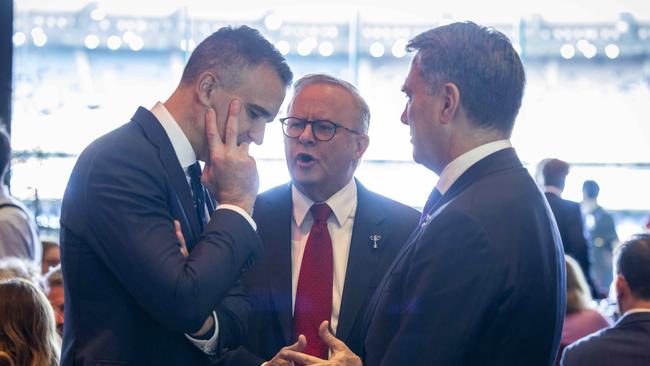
(322, 129)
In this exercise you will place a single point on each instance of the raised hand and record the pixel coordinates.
(280, 360)
(230, 174)
(340, 355)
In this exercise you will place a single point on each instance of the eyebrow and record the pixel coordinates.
(259, 110)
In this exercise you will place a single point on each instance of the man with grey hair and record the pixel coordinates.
(328, 240)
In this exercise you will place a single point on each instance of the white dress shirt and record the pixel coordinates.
(186, 156)
(344, 205)
(458, 166)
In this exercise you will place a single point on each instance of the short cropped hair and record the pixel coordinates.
(555, 172)
(484, 66)
(590, 188)
(633, 263)
(313, 79)
(228, 51)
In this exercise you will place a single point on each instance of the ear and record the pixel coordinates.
(622, 288)
(362, 141)
(451, 102)
(205, 84)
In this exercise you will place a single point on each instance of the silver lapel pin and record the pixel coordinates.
(375, 238)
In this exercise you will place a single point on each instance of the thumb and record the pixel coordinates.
(330, 340)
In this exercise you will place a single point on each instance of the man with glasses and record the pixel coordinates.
(481, 280)
(328, 240)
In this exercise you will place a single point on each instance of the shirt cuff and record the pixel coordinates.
(240, 211)
(207, 346)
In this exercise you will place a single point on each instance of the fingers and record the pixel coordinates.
(232, 123)
(330, 340)
(281, 360)
(300, 344)
(300, 358)
(212, 131)
(181, 238)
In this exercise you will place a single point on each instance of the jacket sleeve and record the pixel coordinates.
(129, 226)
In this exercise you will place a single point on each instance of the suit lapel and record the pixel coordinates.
(277, 239)
(156, 134)
(362, 260)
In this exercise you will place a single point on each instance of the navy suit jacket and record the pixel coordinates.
(269, 282)
(569, 222)
(130, 294)
(479, 283)
(626, 343)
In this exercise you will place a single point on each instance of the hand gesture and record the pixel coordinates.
(340, 353)
(280, 360)
(230, 174)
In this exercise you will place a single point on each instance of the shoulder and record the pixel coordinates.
(389, 206)
(590, 347)
(273, 195)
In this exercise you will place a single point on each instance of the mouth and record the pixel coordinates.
(304, 160)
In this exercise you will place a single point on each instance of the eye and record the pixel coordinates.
(252, 114)
(295, 123)
(325, 126)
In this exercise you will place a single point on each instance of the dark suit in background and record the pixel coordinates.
(130, 294)
(481, 283)
(570, 223)
(269, 282)
(626, 343)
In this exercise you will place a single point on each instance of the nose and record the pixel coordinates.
(307, 135)
(404, 117)
(256, 132)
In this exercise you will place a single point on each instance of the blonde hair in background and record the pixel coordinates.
(578, 295)
(27, 328)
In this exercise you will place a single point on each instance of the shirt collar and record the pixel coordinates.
(553, 189)
(180, 143)
(342, 203)
(458, 166)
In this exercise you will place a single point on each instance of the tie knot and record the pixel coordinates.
(194, 170)
(320, 211)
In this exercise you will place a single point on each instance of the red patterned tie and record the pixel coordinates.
(314, 292)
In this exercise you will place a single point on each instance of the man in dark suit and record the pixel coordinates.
(481, 280)
(131, 296)
(626, 343)
(568, 217)
(325, 138)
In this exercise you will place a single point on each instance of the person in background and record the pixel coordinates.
(581, 318)
(602, 231)
(626, 343)
(27, 331)
(18, 232)
(56, 295)
(568, 217)
(14, 267)
(51, 256)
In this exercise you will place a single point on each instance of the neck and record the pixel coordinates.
(317, 193)
(469, 138)
(636, 304)
(181, 107)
